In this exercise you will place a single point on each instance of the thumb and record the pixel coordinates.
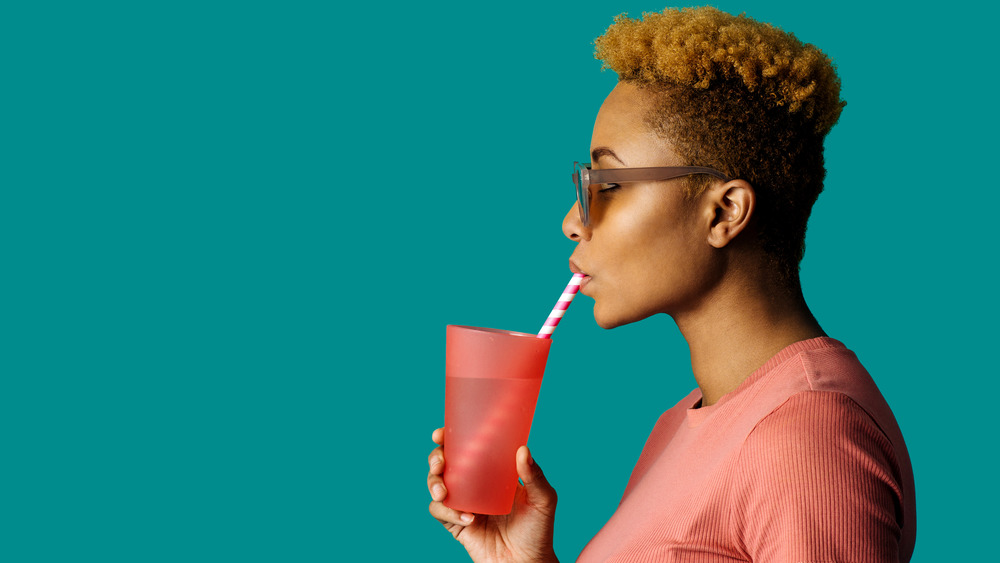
(538, 491)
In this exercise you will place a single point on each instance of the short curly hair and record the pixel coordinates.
(741, 96)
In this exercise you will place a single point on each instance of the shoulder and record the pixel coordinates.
(827, 432)
(815, 476)
(794, 386)
(813, 414)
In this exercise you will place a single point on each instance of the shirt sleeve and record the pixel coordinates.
(818, 481)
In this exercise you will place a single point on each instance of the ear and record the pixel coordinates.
(732, 204)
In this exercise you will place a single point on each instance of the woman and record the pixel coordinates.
(786, 451)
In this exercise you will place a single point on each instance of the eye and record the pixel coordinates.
(609, 188)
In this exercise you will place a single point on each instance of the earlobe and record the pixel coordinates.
(734, 203)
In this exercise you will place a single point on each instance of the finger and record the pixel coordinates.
(538, 491)
(435, 485)
(435, 461)
(438, 436)
(447, 515)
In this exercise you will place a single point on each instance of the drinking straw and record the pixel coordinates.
(560, 309)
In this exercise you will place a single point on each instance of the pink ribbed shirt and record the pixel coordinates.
(803, 461)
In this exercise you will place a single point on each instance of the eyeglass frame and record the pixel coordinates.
(584, 174)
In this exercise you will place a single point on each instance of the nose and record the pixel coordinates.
(572, 225)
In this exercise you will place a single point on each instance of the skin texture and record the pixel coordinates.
(649, 249)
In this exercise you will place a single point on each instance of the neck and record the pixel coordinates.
(738, 327)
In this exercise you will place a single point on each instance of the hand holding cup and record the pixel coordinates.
(523, 535)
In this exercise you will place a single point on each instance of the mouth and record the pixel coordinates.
(576, 270)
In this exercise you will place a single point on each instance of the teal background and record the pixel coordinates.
(233, 234)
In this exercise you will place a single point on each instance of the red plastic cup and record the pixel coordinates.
(493, 378)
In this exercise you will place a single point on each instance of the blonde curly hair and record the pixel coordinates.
(741, 96)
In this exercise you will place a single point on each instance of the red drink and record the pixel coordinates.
(493, 378)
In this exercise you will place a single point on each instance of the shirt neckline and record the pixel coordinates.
(696, 416)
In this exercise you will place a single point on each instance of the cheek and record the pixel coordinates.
(670, 262)
(648, 244)
(653, 236)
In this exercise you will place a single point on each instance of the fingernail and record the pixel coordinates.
(467, 518)
(438, 492)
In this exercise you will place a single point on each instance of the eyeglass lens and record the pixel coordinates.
(582, 194)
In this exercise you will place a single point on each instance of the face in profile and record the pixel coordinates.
(645, 251)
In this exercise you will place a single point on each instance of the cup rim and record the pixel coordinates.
(495, 330)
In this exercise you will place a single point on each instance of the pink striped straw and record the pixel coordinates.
(560, 309)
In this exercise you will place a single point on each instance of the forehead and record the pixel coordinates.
(621, 126)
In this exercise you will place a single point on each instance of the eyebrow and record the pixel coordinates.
(597, 153)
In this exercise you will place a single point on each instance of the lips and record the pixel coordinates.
(576, 270)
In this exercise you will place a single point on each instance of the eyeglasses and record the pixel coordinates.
(584, 177)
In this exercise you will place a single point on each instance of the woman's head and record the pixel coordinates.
(650, 247)
(740, 96)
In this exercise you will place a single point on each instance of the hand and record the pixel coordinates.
(523, 535)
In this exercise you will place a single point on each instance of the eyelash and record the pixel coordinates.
(611, 188)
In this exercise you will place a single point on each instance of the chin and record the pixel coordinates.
(603, 323)
(610, 319)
